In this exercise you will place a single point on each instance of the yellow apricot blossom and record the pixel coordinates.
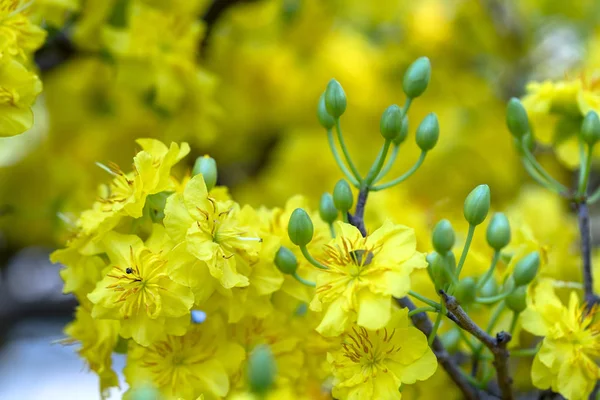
(19, 37)
(362, 275)
(567, 358)
(138, 291)
(373, 364)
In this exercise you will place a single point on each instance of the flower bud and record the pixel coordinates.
(335, 99)
(326, 120)
(285, 261)
(327, 209)
(300, 228)
(439, 270)
(416, 77)
(451, 339)
(465, 291)
(590, 128)
(490, 288)
(516, 300)
(526, 268)
(342, 196)
(390, 124)
(516, 118)
(477, 205)
(428, 132)
(443, 237)
(262, 369)
(401, 137)
(498, 232)
(207, 166)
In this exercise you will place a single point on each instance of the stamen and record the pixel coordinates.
(107, 169)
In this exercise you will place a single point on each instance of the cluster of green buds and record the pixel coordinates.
(393, 128)
(445, 272)
(518, 124)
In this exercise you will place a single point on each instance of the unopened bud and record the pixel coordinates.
(439, 270)
(465, 291)
(428, 132)
(335, 99)
(262, 369)
(516, 118)
(490, 288)
(325, 119)
(390, 124)
(401, 137)
(286, 261)
(207, 166)
(416, 77)
(590, 128)
(342, 196)
(300, 228)
(327, 209)
(498, 232)
(477, 205)
(516, 300)
(526, 269)
(443, 237)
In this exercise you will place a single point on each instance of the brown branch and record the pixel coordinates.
(496, 345)
(583, 217)
(358, 219)
(423, 323)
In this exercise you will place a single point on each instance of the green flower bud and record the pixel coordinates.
(465, 291)
(498, 232)
(439, 270)
(262, 369)
(327, 209)
(401, 137)
(285, 261)
(428, 132)
(477, 205)
(342, 196)
(516, 300)
(335, 99)
(443, 237)
(390, 124)
(526, 268)
(516, 118)
(509, 284)
(451, 339)
(590, 128)
(325, 119)
(207, 166)
(416, 77)
(490, 289)
(527, 140)
(300, 228)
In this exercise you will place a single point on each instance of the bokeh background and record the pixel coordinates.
(240, 80)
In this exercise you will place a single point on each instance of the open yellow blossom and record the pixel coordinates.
(373, 364)
(138, 291)
(212, 232)
(19, 88)
(566, 361)
(98, 339)
(200, 362)
(362, 276)
(19, 37)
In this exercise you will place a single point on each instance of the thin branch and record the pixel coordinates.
(358, 219)
(583, 217)
(496, 345)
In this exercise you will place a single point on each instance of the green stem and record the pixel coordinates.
(525, 352)
(304, 281)
(422, 309)
(403, 177)
(513, 323)
(406, 106)
(495, 317)
(331, 230)
(465, 251)
(538, 167)
(490, 271)
(378, 163)
(538, 178)
(311, 259)
(466, 339)
(425, 300)
(584, 173)
(492, 299)
(339, 160)
(436, 325)
(594, 197)
(340, 136)
(389, 163)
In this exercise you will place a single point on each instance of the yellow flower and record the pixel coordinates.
(362, 276)
(126, 194)
(566, 361)
(212, 232)
(98, 339)
(18, 90)
(138, 291)
(18, 36)
(374, 364)
(200, 362)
